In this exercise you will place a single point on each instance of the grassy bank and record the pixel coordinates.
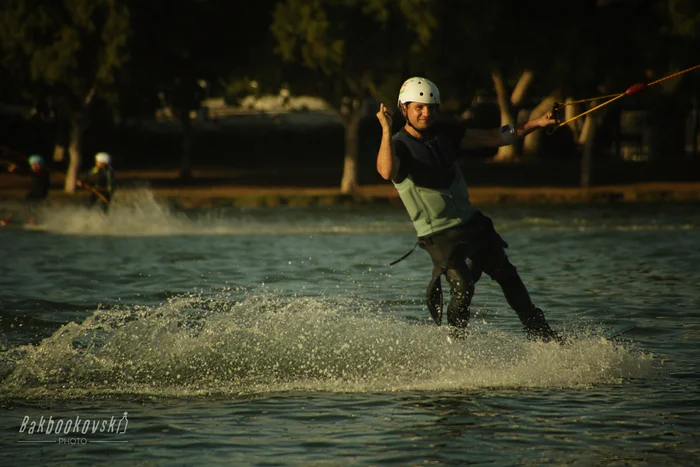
(209, 189)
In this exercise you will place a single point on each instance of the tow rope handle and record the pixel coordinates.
(556, 116)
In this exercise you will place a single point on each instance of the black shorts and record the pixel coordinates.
(476, 240)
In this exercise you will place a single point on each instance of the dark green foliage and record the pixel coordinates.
(356, 48)
(72, 49)
(179, 46)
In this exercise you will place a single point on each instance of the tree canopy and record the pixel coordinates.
(70, 49)
(358, 48)
(138, 55)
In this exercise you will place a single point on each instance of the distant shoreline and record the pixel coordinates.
(232, 195)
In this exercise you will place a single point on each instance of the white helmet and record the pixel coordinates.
(418, 89)
(102, 157)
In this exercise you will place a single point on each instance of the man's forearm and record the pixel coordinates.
(527, 128)
(385, 157)
(513, 133)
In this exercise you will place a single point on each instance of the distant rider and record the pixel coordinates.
(40, 177)
(100, 181)
(40, 184)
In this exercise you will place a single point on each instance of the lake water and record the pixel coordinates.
(280, 336)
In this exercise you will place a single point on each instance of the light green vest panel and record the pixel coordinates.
(433, 210)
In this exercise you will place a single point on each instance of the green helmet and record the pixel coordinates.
(35, 159)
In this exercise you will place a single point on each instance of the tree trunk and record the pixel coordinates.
(351, 124)
(576, 126)
(77, 130)
(585, 134)
(505, 153)
(695, 131)
(588, 139)
(59, 152)
(532, 142)
(186, 156)
(506, 104)
(520, 89)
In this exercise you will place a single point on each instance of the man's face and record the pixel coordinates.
(421, 115)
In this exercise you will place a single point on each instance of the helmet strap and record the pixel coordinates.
(404, 111)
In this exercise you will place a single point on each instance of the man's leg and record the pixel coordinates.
(502, 271)
(434, 295)
(447, 251)
(461, 293)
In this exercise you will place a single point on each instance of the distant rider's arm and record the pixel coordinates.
(92, 178)
(387, 162)
(15, 169)
(84, 181)
(109, 176)
(504, 136)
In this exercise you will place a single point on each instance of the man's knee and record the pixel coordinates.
(461, 282)
(503, 271)
(461, 291)
(434, 296)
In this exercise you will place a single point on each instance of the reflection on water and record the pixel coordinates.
(247, 336)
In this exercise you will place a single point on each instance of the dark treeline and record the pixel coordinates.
(82, 76)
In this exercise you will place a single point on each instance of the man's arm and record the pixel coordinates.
(88, 179)
(504, 136)
(387, 162)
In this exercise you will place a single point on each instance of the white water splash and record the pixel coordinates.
(137, 212)
(239, 343)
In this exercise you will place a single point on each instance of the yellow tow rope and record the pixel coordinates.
(611, 98)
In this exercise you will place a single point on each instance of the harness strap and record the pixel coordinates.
(404, 256)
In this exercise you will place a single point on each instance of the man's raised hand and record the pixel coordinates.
(385, 117)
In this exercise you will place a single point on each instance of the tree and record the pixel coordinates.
(524, 52)
(180, 49)
(69, 51)
(505, 50)
(684, 29)
(651, 47)
(352, 51)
